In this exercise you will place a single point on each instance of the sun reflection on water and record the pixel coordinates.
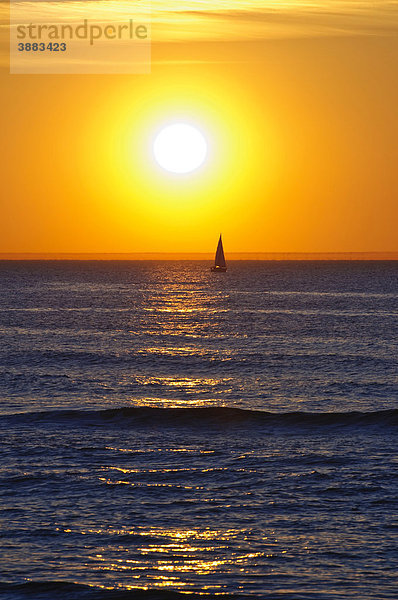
(179, 321)
(169, 557)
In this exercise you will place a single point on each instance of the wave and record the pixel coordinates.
(48, 590)
(216, 417)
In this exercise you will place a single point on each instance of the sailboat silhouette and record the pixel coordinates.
(219, 262)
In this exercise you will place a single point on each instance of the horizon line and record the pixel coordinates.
(363, 255)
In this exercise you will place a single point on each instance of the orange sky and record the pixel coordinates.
(301, 114)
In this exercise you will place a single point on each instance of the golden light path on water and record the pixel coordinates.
(178, 551)
(163, 555)
(177, 313)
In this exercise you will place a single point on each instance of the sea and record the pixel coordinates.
(172, 433)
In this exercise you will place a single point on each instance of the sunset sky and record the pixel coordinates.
(297, 100)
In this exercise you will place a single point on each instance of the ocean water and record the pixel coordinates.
(168, 431)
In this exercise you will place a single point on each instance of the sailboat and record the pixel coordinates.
(219, 262)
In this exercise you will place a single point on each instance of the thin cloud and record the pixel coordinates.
(204, 20)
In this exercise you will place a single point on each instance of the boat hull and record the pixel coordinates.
(218, 269)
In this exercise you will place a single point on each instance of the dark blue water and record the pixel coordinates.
(166, 430)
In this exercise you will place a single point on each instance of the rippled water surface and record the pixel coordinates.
(166, 430)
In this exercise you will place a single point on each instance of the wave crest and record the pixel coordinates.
(48, 590)
(218, 416)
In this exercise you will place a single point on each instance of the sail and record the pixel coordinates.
(220, 258)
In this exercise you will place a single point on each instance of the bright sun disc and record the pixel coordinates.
(180, 148)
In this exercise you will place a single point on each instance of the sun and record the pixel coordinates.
(180, 148)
